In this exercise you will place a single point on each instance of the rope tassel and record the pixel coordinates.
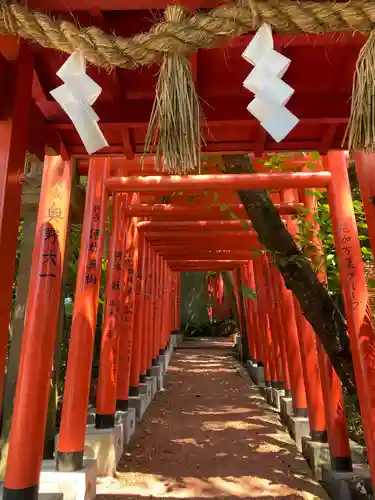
(174, 127)
(361, 127)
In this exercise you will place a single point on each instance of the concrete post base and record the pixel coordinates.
(153, 383)
(238, 345)
(140, 404)
(79, 485)
(256, 373)
(317, 455)
(126, 419)
(106, 447)
(286, 409)
(157, 373)
(174, 342)
(145, 389)
(277, 394)
(50, 496)
(168, 356)
(162, 363)
(299, 428)
(180, 338)
(347, 485)
(268, 395)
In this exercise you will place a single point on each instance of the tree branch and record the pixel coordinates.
(299, 276)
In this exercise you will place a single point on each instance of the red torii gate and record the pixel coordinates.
(32, 121)
(148, 284)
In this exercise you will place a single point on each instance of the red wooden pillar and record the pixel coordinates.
(293, 352)
(314, 396)
(354, 289)
(275, 278)
(276, 326)
(107, 383)
(174, 300)
(135, 367)
(292, 341)
(151, 313)
(258, 344)
(162, 310)
(264, 331)
(157, 309)
(127, 323)
(337, 431)
(166, 328)
(145, 367)
(249, 329)
(364, 165)
(14, 133)
(71, 442)
(178, 300)
(30, 409)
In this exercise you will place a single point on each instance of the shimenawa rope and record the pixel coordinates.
(177, 36)
(202, 30)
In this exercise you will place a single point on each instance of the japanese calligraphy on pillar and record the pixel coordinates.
(93, 260)
(55, 185)
(350, 268)
(130, 262)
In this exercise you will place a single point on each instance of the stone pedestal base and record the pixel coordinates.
(268, 395)
(299, 428)
(174, 341)
(317, 455)
(347, 485)
(106, 447)
(140, 404)
(168, 356)
(286, 409)
(256, 373)
(126, 419)
(238, 345)
(49, 496)
(162, 363)
(79, 485)
(277, 394)
(153, 383)
(145, 389)
(157, 373)
(180, 338)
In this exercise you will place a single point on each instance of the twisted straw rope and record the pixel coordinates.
(202, 30)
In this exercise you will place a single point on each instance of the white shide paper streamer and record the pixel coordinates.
(76, 97)
(265, 81)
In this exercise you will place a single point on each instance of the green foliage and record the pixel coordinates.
(323, 219)
(250, 293)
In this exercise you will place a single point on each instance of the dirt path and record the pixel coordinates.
(210, 435)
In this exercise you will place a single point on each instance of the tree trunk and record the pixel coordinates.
(242, 314)
(194, 298)
(229, 291)
(315, 301)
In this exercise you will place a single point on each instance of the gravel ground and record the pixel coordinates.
(210, 435)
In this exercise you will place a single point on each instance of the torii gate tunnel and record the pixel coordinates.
(149, 245)
(150, 242)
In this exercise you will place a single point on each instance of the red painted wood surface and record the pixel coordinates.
(321, 73)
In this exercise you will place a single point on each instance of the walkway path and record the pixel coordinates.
(210, 435)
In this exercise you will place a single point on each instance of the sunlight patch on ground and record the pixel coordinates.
(230, 424)
(187, 441)
(267, 448)
(223, 411)
(194, 487)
